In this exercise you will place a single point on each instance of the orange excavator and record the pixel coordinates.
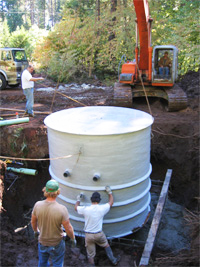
(147, 75)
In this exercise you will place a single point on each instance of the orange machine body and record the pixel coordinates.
(129, 68)
(143, 55)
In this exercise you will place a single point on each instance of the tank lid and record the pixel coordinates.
(98, 120)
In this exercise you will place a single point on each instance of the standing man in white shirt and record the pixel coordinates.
(93, 215)
(28, 88)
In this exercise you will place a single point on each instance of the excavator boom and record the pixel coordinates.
(143, 21)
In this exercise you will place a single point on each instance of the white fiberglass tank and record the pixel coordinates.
(91, 147)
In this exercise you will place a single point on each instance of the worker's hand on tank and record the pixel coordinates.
(78, 198)
(73, 242)
(36, 234)
(108, 189)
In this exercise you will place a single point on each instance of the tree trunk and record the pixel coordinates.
(113, 9)
(41, 13)
(51, 13)
(2, 11)
(98, 9)
(32, 11)
(125, 22)
(113, 5)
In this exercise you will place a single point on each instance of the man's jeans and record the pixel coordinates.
(163, 70)
(29, 100)
(56, 254)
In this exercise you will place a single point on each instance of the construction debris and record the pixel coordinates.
(13, 121)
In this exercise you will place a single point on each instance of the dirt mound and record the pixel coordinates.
(190, 83)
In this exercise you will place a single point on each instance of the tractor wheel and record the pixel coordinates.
(3, 82)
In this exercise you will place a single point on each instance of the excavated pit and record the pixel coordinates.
(174, 145)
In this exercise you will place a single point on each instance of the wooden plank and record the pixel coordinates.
(144, 261)
(9, 115)
(21, 110)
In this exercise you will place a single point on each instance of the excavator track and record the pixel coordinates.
(175, 96)
(122, 95)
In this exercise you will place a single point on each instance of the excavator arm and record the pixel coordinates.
(144, 27)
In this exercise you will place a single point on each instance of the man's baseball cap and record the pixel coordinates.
(52, 186)
(96, 197)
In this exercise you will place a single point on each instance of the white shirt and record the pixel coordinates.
(93, 216)
(26, 83)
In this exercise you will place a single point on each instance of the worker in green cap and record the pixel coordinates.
(47, 219)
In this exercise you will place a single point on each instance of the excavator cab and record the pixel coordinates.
(159, 77)
(161, 86)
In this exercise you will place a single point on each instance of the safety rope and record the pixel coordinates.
(28, 159)
(54, 95)
(175, 135)
(71, 99)
(56, 92)
(144, 90)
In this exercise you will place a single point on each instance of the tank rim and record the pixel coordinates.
(98, 120)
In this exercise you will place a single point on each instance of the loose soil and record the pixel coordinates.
(174, 145)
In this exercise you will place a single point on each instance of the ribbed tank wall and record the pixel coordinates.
(118, 154)
(104, 154)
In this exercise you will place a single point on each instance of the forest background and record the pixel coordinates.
(90, 38)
